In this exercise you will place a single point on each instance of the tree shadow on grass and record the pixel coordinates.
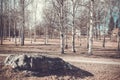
(108, 53)
(103, 53)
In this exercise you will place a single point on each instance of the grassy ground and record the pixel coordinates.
(98, 71)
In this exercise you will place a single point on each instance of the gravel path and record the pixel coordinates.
(92, 61)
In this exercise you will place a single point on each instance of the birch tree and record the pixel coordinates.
(15, 22)
(62, 32)
(22, 2)
(104, 21)
(9, 22)
(91, 28)
(118, 26)
(4, 19)
(74, 8)
(23, 5)
(60, 10)
(35, 12)
(48, 20)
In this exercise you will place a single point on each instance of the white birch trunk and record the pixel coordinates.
(73, 29)
(73, 39)
(35, 23)
(62, 34)
(91, 30)
(15, 32)
(15, 26)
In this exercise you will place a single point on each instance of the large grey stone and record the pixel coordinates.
(36, 63)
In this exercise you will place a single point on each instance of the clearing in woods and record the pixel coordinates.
(104, 64)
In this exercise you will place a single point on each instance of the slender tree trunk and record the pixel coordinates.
(15, 26)
(73, 30)
(4, 28)
(15, 32)
(96, 33)
(35, 23)
(23, 24)
(119, 36)
(1, 30)
(62, 42)
(9, 19)
(104, 32)
(19, 34)
(118, 39)
(80, 37)
(35, 30)
(90, 40)
(73, 40)
(96, 30)
(4, 20)
(62, 35)
(99, 31)
(104, 40)
(91, 29)
(46, 35)
(104, 28)
(35, 34)
(88, 36)
(30, 35)
(46, 29)
(9, 28)
(66, 39)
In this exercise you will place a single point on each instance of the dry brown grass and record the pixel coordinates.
(99, 71)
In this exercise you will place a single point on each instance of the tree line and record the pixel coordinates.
(95, 19)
